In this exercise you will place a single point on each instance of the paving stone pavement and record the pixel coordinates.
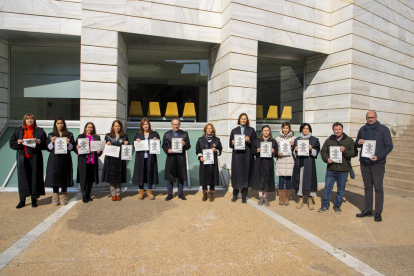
(133, 237)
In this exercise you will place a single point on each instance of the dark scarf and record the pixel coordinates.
(369, 135)
(209, 137)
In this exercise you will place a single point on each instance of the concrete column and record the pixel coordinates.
(4, 83)
(103, 78)
(232, 90)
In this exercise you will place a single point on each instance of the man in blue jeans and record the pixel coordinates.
(336, 171)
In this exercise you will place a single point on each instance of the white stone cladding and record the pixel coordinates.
(365, 54)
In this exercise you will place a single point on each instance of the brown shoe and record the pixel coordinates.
(64, 198)
(141, 194)
(150, 195)
(118, 198)
(204, 196)
(55, 199)
(300, 203)
(281, 197)
(211, 199)
(113, 198)
(287, 195)
(311, 203)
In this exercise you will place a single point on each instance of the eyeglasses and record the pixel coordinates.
(370, 118)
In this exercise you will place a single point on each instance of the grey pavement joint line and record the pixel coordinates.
(8, 255)
(339, 254)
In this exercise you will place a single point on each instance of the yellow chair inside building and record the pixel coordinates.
(272, 113)
(154, 109)
(287, 113)
(189, 110)
(259, 112)
(171, 110)
(135, 109)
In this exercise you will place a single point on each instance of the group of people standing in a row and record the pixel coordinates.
(248, 168)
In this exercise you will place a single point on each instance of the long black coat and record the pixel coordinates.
(59, 166)
(310, 181)
(241, 160)
(82, 162)
(209, 174)
(176, 163)
(263, 173)
(114, 169)
(140, 177)
(38, 185)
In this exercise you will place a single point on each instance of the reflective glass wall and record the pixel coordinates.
(176, 81)
(279, 90)
(45, 81)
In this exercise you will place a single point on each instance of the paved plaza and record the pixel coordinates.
(133, 237)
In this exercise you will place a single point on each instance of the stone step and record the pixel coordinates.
(400, 160)
(387, 189)
(402, 142)
(388, 181)
(400, 174)
(400, 153)
(407, 133)
(399, 167)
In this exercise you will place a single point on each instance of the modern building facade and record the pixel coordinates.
(315, 61)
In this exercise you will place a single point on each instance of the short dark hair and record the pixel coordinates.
(176, 118)
(303, 125)
(241, 115)
(337, 124)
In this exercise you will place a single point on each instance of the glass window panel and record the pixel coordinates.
(45, 81)
(168, 76)
(280, 83)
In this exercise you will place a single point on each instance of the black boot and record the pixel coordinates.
(85, 199)
(34, 202)
(378, 217)
(22, 203)
(244, 195)
(235, 195)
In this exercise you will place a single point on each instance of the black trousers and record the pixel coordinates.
(90, 178)
(244, 192)
(373, 176)
(205, 187)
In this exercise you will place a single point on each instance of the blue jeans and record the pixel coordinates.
(283, 180)
(141, 187)
(331, 177)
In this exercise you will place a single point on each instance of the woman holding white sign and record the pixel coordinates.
(59, 171)
(207, 149)
(241, 141)
(304, 180)
(114, 169)
(88, 166)
(146, 166)
(285, 162)
(263, 174)
(28, 141)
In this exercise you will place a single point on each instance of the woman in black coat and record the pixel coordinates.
(209, 173)
(263, 173)
(146, 166)
(304, 179)
(242, 160)
(114, 169)
(88, 164)
(29, 160)
(59, 171)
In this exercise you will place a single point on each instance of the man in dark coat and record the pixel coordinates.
(373, 169)
(175, 164)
